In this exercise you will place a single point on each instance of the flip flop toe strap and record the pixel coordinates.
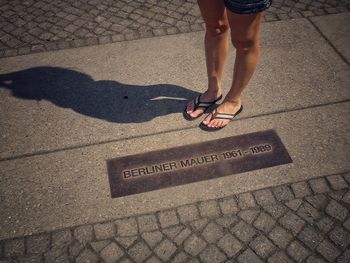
(199, 104)
(224, 116)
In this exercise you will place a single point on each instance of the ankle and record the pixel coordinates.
(235, 101)
(213, 92)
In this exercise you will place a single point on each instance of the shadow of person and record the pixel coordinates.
(105, 99)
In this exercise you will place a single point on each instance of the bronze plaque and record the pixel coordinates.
(196, 162)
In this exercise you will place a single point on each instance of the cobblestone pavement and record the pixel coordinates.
(28, 26)
(307, 221)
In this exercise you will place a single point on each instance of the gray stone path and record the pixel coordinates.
(306, 221)
(28, 26)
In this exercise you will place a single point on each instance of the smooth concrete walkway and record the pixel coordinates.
(64, 113)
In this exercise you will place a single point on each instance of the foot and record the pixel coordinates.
(205, 97)
(230, 107)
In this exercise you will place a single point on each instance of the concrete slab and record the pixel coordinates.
(67, 188)
(71, 98)
(337, 30)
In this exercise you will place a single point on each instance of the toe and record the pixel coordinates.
(190, 107)
(207, 119)
(212, 124)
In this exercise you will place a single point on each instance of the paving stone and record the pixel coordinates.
(212, 254)
(337, 182)
(336, 210)
(74, 250)
(294, 204)
(346, 176)
(337, 195)
(209, 209)
(244, 231)
(139, 252)
(126, 242)
(283, 193)
(249, 215)
(84, 234)
(263, 246)
(319, 185)
(264, 197)
(181, 257)
(340, 236)
(147, 223)
(194, 245)
(310, 237)
(346, 197)
(165, 249)
(280, 237)
(61, 238)
(315, 259)
(126, 227)
(227, 221)
(153, 259)
(264, 222)
(28, 259)
(246, 201)
(168, 218)
(87, 256)
(308, 213)
(279, 257)
(56, 254)
(104, 231)
(199, 224)
(230, 245)
(248, 256)
(297, 251)
(292, 222)
(152, 238)
(325, 224)
(14, 247)
(125, 260)
(173, 231)
(301, 189)
(182, 236)
(228, 206)
(37, 244)
(328, 250)
(276, 211)
(172, 30)
(188, 213)
(212, 232)
(111, 253)
(320, 202)
(99, 245)
(347, 224)
(345, 257)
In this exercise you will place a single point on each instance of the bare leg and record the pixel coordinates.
(216, 48)
(245, 38)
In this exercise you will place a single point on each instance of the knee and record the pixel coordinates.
(217, 29)
(244, 43)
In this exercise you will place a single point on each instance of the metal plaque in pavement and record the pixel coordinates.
(196, 162)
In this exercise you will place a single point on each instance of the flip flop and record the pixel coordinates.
(199, 104)
(223, 116)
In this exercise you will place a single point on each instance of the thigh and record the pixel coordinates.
(213, 12)
(244, 27)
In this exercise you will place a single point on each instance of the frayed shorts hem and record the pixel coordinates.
(247, 6)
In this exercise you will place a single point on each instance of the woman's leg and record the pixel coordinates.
(245, 38)
(216, 48)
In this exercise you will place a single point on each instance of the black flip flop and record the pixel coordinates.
(199, 104)
(223, 116)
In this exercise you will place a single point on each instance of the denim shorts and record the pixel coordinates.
(247, 6)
